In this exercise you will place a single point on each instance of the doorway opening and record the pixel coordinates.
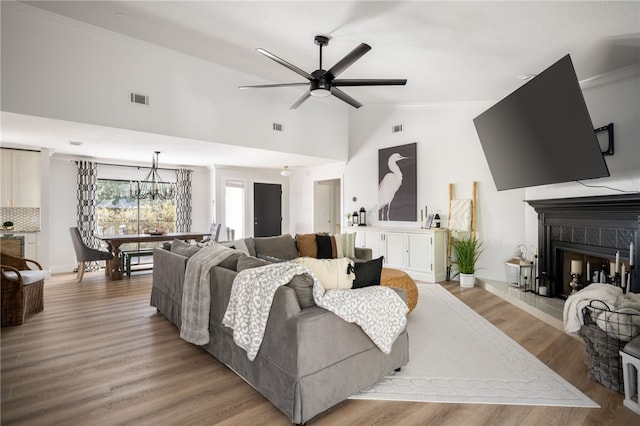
(327, 206)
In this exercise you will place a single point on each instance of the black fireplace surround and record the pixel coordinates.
(599, 226)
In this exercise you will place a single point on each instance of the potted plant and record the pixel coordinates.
(465, 255)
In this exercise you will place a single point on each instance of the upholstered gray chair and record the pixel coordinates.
(85, 253)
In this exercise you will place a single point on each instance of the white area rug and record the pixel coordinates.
(457, 356)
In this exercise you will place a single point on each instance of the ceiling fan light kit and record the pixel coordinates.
(323, 83)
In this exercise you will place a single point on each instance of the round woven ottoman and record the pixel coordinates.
(396, 278)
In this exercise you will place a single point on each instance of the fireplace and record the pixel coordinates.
(587, 229)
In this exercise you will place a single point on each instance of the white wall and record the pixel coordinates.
(249, 176)
(62, 209)
(613, 98)
(449, 151)
(301, 191)
(59, 68)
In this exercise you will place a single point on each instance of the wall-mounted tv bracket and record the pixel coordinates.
(609, 129)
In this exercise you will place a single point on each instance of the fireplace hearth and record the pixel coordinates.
(585, 229)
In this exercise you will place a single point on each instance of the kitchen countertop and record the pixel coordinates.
(11, 233)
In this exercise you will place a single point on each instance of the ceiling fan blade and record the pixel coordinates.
(284, 63)
(343, 96)
(303, 98)
(348, 60)
(260, 86)
(370, 82)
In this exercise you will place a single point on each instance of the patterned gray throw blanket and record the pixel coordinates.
(196, 295)
(379, 311)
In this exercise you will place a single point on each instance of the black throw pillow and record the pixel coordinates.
(368, 273)
(324, 247)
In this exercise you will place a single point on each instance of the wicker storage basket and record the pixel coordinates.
(602, 348)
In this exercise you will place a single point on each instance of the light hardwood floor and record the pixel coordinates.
(99, 354)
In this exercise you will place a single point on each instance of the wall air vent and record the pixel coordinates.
(278, 127)
(137, 98)
(397, 128)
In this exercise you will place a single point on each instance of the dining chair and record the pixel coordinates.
(84, 253)
(215, 231)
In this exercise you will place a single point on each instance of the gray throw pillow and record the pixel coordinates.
(238, 245)
(247, 262)
(281, 246)
(182, 248)
(231, 262)
(303, 286)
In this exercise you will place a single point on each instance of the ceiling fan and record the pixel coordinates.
(323, 82)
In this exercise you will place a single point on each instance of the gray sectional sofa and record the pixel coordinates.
(310, 359)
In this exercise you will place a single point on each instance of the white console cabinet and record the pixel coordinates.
(422, 253)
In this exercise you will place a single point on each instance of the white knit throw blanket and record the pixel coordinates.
(196, 295)
(379, 311)
(614, 317)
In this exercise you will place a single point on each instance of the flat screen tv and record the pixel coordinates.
(541, 133)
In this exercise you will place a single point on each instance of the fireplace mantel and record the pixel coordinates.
(602, 224)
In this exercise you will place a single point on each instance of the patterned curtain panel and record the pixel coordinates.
(183, 201)
(87, 206)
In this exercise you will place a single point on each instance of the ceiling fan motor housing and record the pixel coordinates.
(321, 40)
(324, 83)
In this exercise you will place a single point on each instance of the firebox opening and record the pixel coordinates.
(588, 268)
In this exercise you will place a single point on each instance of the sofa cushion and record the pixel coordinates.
(324, 247)
(368, 273)
(184, 249)
(303, 286)
(332, 273)
(30, 276)
(248, 262)
(281, 246)
(307, 246)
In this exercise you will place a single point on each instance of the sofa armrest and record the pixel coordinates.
(169, 269)
(363, 253)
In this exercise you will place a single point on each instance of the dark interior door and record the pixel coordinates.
(267, 209)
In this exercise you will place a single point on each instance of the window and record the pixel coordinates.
(118, 213)
(234, 213)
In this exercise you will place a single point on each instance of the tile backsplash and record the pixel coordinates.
(25, 219)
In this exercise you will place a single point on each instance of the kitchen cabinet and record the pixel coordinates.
(30, 245)
(20, 176)
(422, 253)
(21, 244)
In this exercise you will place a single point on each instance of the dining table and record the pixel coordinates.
(113, 269)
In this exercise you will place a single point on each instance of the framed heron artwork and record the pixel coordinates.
(397, 183)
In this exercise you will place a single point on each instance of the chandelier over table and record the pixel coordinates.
(152, 186)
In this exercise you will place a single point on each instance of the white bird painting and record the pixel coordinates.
(389, 185)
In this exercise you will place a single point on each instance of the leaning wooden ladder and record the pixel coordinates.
(472, 225)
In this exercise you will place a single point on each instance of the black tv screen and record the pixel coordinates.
(541, 133)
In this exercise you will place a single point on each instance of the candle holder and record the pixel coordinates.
(617, 279)
(575, 283)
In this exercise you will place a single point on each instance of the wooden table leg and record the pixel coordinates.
(114, 267)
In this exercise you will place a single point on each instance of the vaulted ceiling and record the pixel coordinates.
(449, 51)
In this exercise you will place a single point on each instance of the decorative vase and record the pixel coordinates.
(467, 280)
